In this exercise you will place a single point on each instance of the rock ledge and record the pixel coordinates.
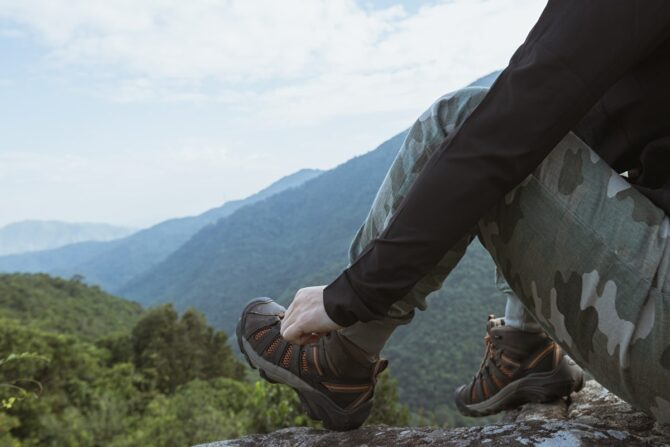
(594, 417)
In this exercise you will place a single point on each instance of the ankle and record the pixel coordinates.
(345, 358)
(371, 337)
(356, 352)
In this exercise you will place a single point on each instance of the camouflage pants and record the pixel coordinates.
(586, 254)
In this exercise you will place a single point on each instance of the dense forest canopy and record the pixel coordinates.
(96, 370)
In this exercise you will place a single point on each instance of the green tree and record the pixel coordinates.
(7, 424)
(174, 351)
(275, 406)
(13, 390)
(386, 409)
(197, 412)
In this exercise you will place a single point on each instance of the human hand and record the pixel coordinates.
(306, 317)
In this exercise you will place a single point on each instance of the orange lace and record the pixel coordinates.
(488, 351)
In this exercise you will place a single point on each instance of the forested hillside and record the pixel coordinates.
(64, 306)
(121, 376)
(265, 248)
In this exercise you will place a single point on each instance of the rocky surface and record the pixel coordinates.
(593, 417)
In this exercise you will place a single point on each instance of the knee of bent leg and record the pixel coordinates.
(452, 109)
(466, 96)
(433, 126)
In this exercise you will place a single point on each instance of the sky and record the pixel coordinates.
(130, 112)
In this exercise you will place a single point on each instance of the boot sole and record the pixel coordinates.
(534, 388)
(315, 403)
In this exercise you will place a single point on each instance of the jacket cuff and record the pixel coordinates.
(343, 305)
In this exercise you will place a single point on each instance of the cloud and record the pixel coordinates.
(132, 187)
(12, 33)
(235, 41)
(275, 86)
(315, 59)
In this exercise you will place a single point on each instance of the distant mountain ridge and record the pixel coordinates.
(112, 264)
(273, 246)
(265, 247)
(37, 235)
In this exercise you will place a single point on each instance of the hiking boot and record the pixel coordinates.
(518, 367)
(334, 380)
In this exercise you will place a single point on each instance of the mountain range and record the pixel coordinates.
(37, 235)
(111, 264)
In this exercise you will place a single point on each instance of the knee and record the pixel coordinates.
(436, 123)
(451, 109)
(466, 96)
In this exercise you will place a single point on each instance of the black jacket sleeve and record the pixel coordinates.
(575, 52)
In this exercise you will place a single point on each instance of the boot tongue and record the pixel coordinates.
(380, 366)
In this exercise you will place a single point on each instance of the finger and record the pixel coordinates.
(292, 333)
(289, 315)
(290, 320)
(283, 326)
(305, 339)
